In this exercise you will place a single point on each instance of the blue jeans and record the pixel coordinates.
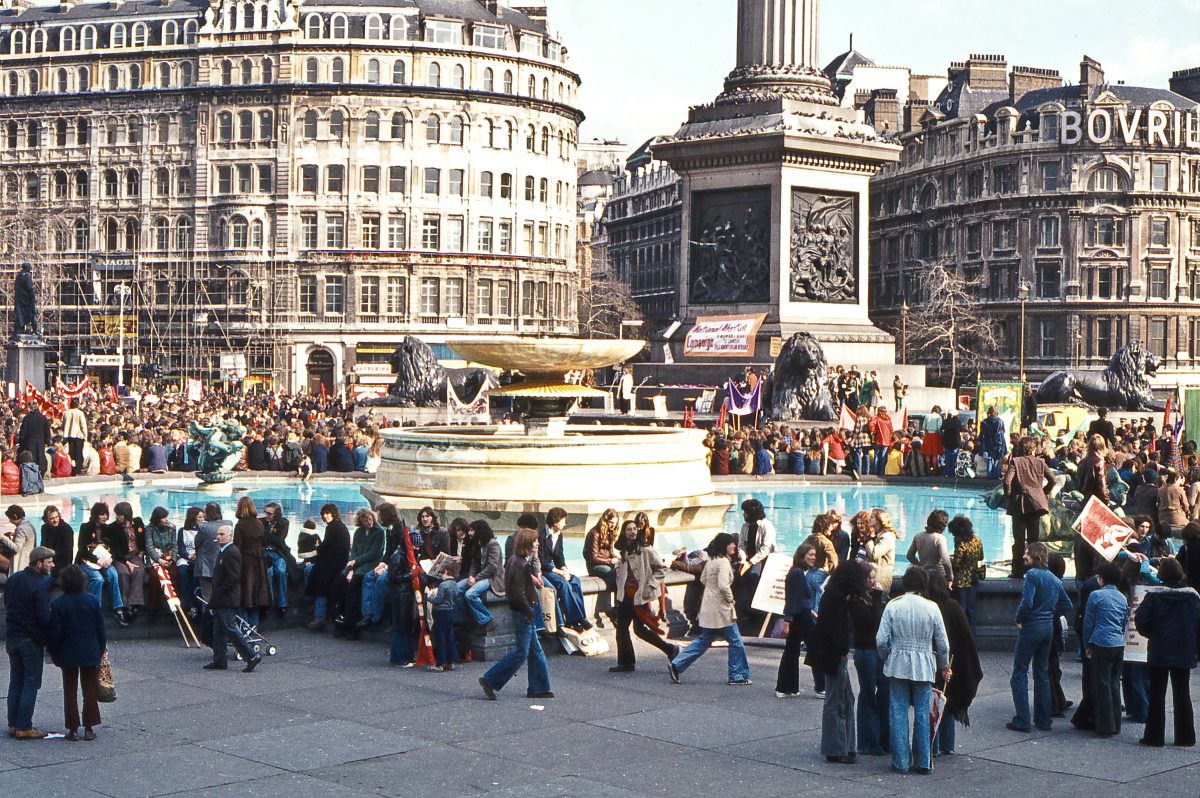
(473, 595)
(374, 596)
(993, 464)
(98, 579)
(277, 577)
(569, 595)
(251, 616)
(946, 735)
(872, 702)
(403, 649)
(320, 608)
(528, 650)
(864, 458)
(25, 659)
(881, 453)
(966, 600)
(739, 668)
(1135, 684)
(443, 636)
(909, 752)
(951, 462)
(1033, 645)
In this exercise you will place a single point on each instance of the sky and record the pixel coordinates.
(644, 62)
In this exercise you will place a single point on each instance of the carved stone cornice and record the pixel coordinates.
(758, 82)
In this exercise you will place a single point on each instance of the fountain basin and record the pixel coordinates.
(498, 472)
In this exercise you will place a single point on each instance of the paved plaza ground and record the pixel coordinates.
(329, 718)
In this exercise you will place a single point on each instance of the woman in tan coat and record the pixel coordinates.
(1173, 506)
(717, 614)
(250, 537)
(640, 573)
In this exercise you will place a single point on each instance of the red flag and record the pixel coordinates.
(424, 641)
(112, 394)
(1166, 425)
(900, 421)
(723, 416)
(847, 418)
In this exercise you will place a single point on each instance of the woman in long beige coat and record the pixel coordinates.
(640, 573)
(717, 615)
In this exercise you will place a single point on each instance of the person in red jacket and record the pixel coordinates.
(10, 476)
(880, 428)
(63, 467)
(108, 463)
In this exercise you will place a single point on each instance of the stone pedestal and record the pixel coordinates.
(26, 362)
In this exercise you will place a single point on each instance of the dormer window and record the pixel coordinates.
(1049, 127)
(443, 32)
(531, 44)
(488, 36)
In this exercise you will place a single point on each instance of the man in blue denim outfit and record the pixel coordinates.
(27, 599)
(1104, 623)
(1042, 599)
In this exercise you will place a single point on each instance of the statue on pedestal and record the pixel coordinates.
(25, 315)
(216, 449)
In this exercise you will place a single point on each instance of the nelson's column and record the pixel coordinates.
(775, 177)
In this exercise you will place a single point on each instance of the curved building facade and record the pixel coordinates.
(1073, 210)
(295, 184)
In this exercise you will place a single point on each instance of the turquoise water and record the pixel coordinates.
(792, 510)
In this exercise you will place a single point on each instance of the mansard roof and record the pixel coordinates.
(843, 66)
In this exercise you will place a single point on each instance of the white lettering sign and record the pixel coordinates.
(723, 336)
(1155, 127)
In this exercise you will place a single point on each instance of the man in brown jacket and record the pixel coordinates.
(1027, 484)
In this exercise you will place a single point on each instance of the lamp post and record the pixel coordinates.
(904, 334)
(1023, 294)
(122, 292)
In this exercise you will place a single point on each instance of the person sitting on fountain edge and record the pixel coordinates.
(568, 590)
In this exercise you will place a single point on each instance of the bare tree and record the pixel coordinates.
(603, 304)
(946, 325)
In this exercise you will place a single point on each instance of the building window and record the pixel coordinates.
(435, 75)
(1048, 234)
(530, 189)
(308, 295)
(443, 32)
(433, 180)
(397, 296)
(489, 79)
(373, 71)
(456, 131)
(265, 175)
(1104, 283)
(398, 73)
(397, 231)
(504, 305)
(1159, 232)
(1004, 179)
(1048, 338)
(368, 296)
(452, 241)
(335, 295)
(485, 235)
(371, 128)
(1159, 286)
(429, 296)
(433, 130)
(310, 178)
(1049, 174)
(335, 178)
(370, 232)
(1158, 337)
(1003, 236)
(488, 36)
(224, 179)
(1049, 127)
(312, 70)
(454, 297)
(1104, 338)
(974, 243)
(335, 231)
(1159, 174)
(1048, 276)
(431, 233)
(485, 184)
(397, 180)
(506, 185)
(337, 71)
(398, 126)
(337, 124)
(483, 299)
(455, 184)
(370, 179)
(1105, 231)
(1104, 179)
(505, 237)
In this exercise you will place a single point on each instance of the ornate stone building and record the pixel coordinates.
(1074, 210)
(296, 183)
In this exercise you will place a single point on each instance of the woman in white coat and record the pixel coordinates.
(717, 614)
(912, 641)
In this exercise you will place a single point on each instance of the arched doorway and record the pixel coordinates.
(320, 371)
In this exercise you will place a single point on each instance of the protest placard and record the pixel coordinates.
(1137, 647)
(1104, 530)
(769, 595)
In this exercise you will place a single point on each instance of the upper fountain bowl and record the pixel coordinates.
(546, 355)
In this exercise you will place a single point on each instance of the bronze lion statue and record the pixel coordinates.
(421, 380)
(1124, 385)
(799, 391)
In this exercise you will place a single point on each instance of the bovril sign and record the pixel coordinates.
(1152, 127)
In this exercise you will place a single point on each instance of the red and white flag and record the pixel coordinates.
(900, 421)
(847, 418)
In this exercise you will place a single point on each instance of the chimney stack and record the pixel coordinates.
(1090, 72)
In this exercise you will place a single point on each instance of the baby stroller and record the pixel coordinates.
(258, 644)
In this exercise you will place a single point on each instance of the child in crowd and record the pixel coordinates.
(442, 599)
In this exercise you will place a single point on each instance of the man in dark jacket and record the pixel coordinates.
(32, 437)
(1170, 621)
(1103, 427)
(27, 600)
(993, 440)
(1028, 482)
(226, 599)
(256, 453)
(951, 441)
